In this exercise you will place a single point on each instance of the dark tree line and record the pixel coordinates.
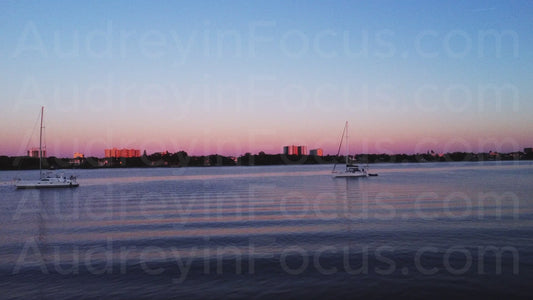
(182, 159)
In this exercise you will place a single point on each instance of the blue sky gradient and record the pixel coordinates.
(231, 77)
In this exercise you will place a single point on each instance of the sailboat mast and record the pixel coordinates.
(347, 145)
(41, 146)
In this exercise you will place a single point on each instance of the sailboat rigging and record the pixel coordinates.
(46, 180)
(351, 169)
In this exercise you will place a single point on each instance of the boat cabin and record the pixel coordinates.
(353, 168)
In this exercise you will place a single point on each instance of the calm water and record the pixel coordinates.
(445, 229)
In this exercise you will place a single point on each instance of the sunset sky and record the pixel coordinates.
(231, 77)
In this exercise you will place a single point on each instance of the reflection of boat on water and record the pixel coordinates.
(46, 180)
(351, 169)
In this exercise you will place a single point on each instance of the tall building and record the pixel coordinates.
(288, 150)
(302, 150)
(117, 153)
(34, 152)
(317, 152)
(295, 150)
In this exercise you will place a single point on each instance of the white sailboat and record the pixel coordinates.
(46, 180)
(351, 170)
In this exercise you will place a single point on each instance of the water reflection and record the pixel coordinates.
(285, 204)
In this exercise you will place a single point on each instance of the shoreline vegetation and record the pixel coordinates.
(182, 159)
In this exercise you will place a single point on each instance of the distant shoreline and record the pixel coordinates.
(182, 159)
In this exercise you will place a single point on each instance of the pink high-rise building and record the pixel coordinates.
(317, 152)
(116, 153)
(34, 152)
(295, 150)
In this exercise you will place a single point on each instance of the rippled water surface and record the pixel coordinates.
(446, 229)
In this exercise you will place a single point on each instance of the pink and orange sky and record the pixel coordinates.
(235, 76)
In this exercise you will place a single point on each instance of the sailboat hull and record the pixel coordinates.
(39, 184)
(348, 175)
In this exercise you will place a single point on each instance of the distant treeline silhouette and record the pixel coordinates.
(182, 159)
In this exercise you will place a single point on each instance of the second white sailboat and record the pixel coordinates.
(351, 170)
